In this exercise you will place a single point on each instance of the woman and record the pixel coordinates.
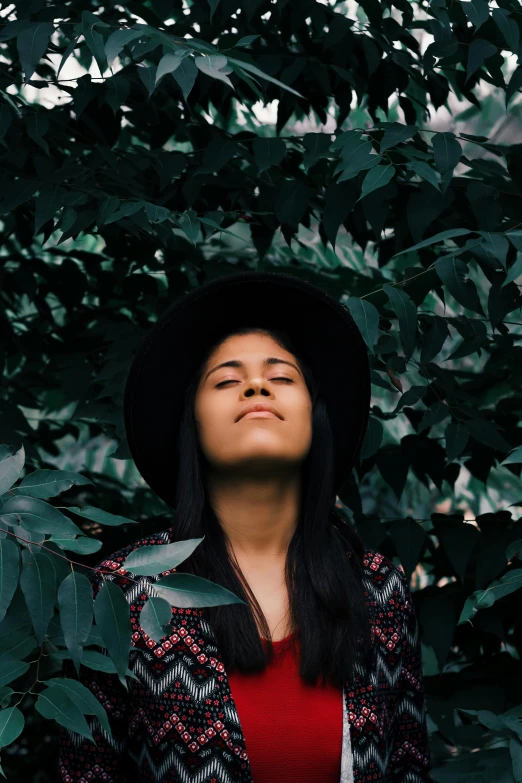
(317, 676)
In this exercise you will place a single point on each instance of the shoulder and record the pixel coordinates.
(112, 566)
(386, 587)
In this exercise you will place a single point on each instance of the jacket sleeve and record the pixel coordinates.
(410, 755)
(78, 757)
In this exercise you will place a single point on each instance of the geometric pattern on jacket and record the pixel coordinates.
(178, 723)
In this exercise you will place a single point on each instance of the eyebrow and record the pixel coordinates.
(268, 361)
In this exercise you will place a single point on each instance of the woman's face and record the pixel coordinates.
(255, 444)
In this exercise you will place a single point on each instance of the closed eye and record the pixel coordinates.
(233, 380)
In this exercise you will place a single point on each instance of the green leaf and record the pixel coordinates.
(185, 75)
(406, 311)
(477, 11)
(447, 153)
(252, 83)
(76, 612)
(246, 40)
(452, 271)
(514, 458)
(99, 516)
(380, 382)
(316, 146)
(169, 62)
(408, 537)
(94, 39)
(439, 618)
(12, 29)
(213, 5)
(189, 224)
(476, 337)
(9, 570)
(457, 436)
(242, 65)
(508, 27)
(372, 438)
(434, 415)
(515, 271)
(481, 599)
(356, 156)
(338, 203)
(50, 199)
(5, 695)
(32, 43)
(424, 171)
(48, 483)
(291, 201)
(17, 646)
(344, 138)
(117, 40)
(11, 670)
(156, 613)
(218, 153)
(366, 316)
(496, 245)
(147, 74)
(107, 208)
(11, 465)
(213, 65)
(82, 545)
(37, 127)
(101, 663)
(6, 120)
(38, 517)
(434, 339)
(127, 209)
(377, 177)
(20, 192)
(55, 704)
(515, 84)
(514, 550)
(38, 583)
(268, 152)
(112, 614)
(458, 542)
(479, 51)
(11, 725)
(449, 234)
(94, 660)
(83, 698)
(411, 397)
(217, 227)
(188, 590)
(396, 133)
(117, 90)
(501, 301)
(485, 432)
(152, 560)
(515, 749)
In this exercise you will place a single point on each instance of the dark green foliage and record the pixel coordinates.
(144, 172)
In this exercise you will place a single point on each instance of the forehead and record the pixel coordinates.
(246, 344)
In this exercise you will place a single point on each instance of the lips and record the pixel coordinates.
(259, 407)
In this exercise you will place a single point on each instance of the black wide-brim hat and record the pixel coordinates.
(322, 329)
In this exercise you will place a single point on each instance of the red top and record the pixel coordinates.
(283, 721)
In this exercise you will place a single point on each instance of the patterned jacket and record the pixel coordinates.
(178, 723)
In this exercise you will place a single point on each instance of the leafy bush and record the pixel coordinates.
(35, 579)
(387, 168)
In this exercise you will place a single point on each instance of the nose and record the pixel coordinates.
(255, 386)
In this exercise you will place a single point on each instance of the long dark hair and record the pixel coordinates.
(324, 557)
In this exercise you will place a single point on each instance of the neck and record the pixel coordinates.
(258, 515)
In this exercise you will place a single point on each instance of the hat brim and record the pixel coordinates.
(170, 352)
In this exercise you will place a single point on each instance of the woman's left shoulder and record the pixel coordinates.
(385, 583)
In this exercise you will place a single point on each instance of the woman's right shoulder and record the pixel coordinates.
(112, 566)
